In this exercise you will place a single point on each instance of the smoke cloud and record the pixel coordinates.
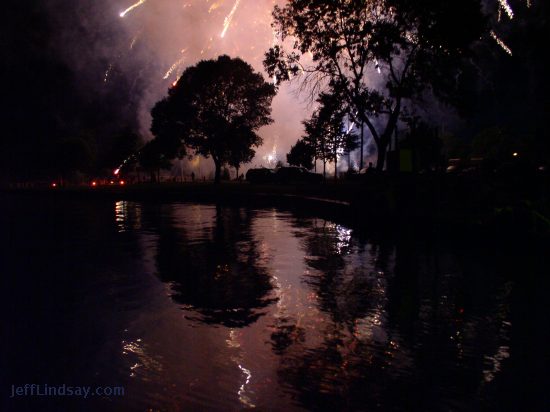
(132, 55)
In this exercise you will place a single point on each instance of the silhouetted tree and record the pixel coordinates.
(325, 130)
(317, 138)
(378, 53)
(301, 154)
(152, 159)
(240, 151)
(350, 144)
(215, 107)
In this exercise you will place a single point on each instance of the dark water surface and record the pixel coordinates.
(204, 307)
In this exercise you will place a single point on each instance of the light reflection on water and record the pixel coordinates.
(311, 313)
(218, 308)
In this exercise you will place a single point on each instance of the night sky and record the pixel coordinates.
(97, 67)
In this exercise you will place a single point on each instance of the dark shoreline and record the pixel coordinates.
(458, 206)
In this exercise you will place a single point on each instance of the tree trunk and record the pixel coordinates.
(324, 169)
(217, 173)
(237, 170)
(361, 159)
(335, 166)
(381, 158)
(385, 139)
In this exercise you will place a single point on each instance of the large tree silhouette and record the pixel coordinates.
(377, 53)
(215, 109)
(301, 154)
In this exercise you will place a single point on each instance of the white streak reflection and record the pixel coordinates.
(121, 215)
(243, 392)
(245, 400)
(127, 216)
(144, 361)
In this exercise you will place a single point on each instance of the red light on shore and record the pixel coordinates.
(94, 184)
(122, 182)
(54, 184)
(112, 182)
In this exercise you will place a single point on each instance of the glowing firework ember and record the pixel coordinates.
(214, 6)
(229, 18)
(506, 7)
(501, 43)
(132, 7)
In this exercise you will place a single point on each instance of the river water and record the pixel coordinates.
(205, 307)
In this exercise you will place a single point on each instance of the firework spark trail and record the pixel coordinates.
(227, 20)
(107, 73)
(173, 67)
(528, 2)
(501, 43)
(134, 40)
(132, 7)
(506, 7)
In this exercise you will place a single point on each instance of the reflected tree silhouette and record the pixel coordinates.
(333, 374)
(347, 290)
(402, 331)
(220, 276)
(383, 324)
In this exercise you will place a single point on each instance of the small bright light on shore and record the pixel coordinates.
(515, 154)
(122, 182)
(54, 184)
(94, 184)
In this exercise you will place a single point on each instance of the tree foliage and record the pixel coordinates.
(301, 154)
(215, 109)
(325, 130)
(376, 54)
(239, 152)
(152, 158)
